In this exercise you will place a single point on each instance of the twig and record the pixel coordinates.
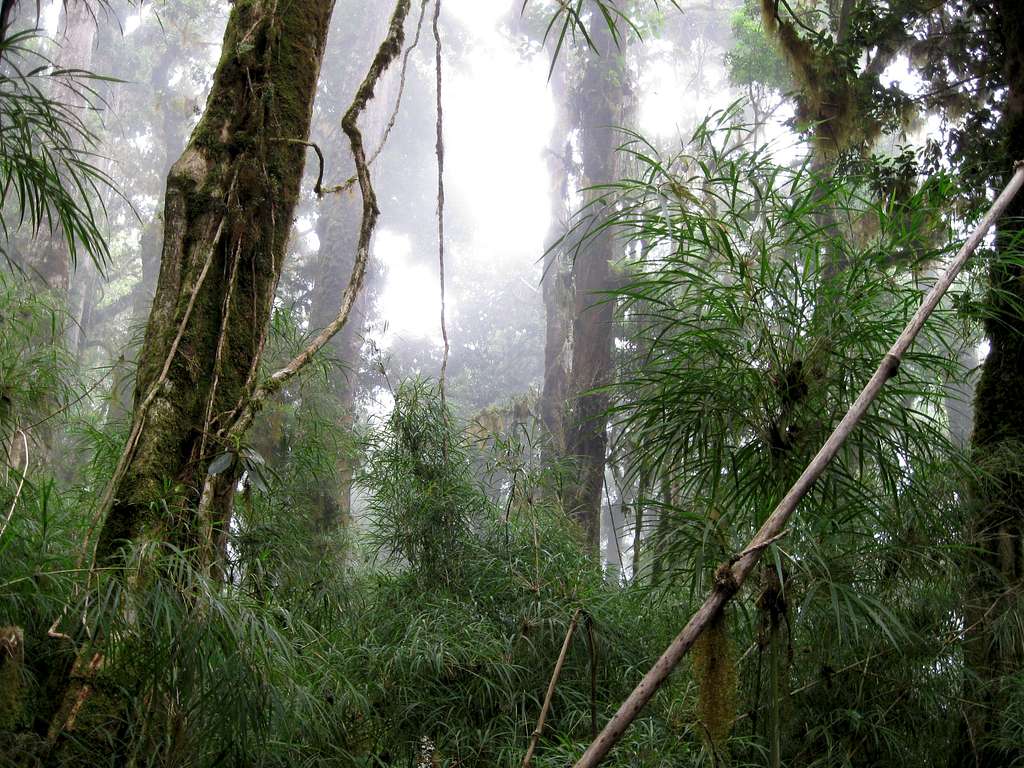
(21, 484)
(69, 405)
(730, 577)
(759, 546)
(535, 737)
(318, 188)
(592, 645)
(796, 19)
(614, 532)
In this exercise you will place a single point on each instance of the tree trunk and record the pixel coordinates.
(338, 232)
(602, 102)
(337, 229)
(227, 218)
(996, 574)
(49, 257)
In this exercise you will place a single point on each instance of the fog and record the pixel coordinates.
(499, 118)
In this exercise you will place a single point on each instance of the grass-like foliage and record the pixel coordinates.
(431, 626)
(36, 378)
(50, 173)
(758, 299)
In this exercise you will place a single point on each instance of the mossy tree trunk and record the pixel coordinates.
(227, 217)
(996, 575)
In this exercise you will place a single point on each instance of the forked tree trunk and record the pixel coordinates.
(227, 218)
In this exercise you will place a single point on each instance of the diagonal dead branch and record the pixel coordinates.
(730, 576)
(535, 736)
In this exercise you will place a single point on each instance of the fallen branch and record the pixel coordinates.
(730, 576)
(551, 690)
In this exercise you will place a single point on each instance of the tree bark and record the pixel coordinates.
(996, 574)
(227, 217)
(602, 104)
(557, 280)
(49, 256)
(337, 229)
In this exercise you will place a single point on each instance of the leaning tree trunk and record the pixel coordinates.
(996, 576)
(602, 99)
(227, 218)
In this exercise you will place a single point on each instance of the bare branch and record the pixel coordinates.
(21, 484)
(535, 737)
(351, 181)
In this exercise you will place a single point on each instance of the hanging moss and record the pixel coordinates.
(715, 671)
(833, 100)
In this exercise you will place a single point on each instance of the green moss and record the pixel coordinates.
(248, 181)
(715, 672)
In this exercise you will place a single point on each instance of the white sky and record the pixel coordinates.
(498, 120)
(499, 116)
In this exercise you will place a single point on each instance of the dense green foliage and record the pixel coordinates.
(348, 651)
(754, 292)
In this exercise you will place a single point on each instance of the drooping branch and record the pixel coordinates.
(730, 576)
(388, 51)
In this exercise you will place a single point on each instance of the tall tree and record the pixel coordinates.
(48, 258)
(557, 279)
(337, 230)
(994, 652)
(602, 102)
(227, 218)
